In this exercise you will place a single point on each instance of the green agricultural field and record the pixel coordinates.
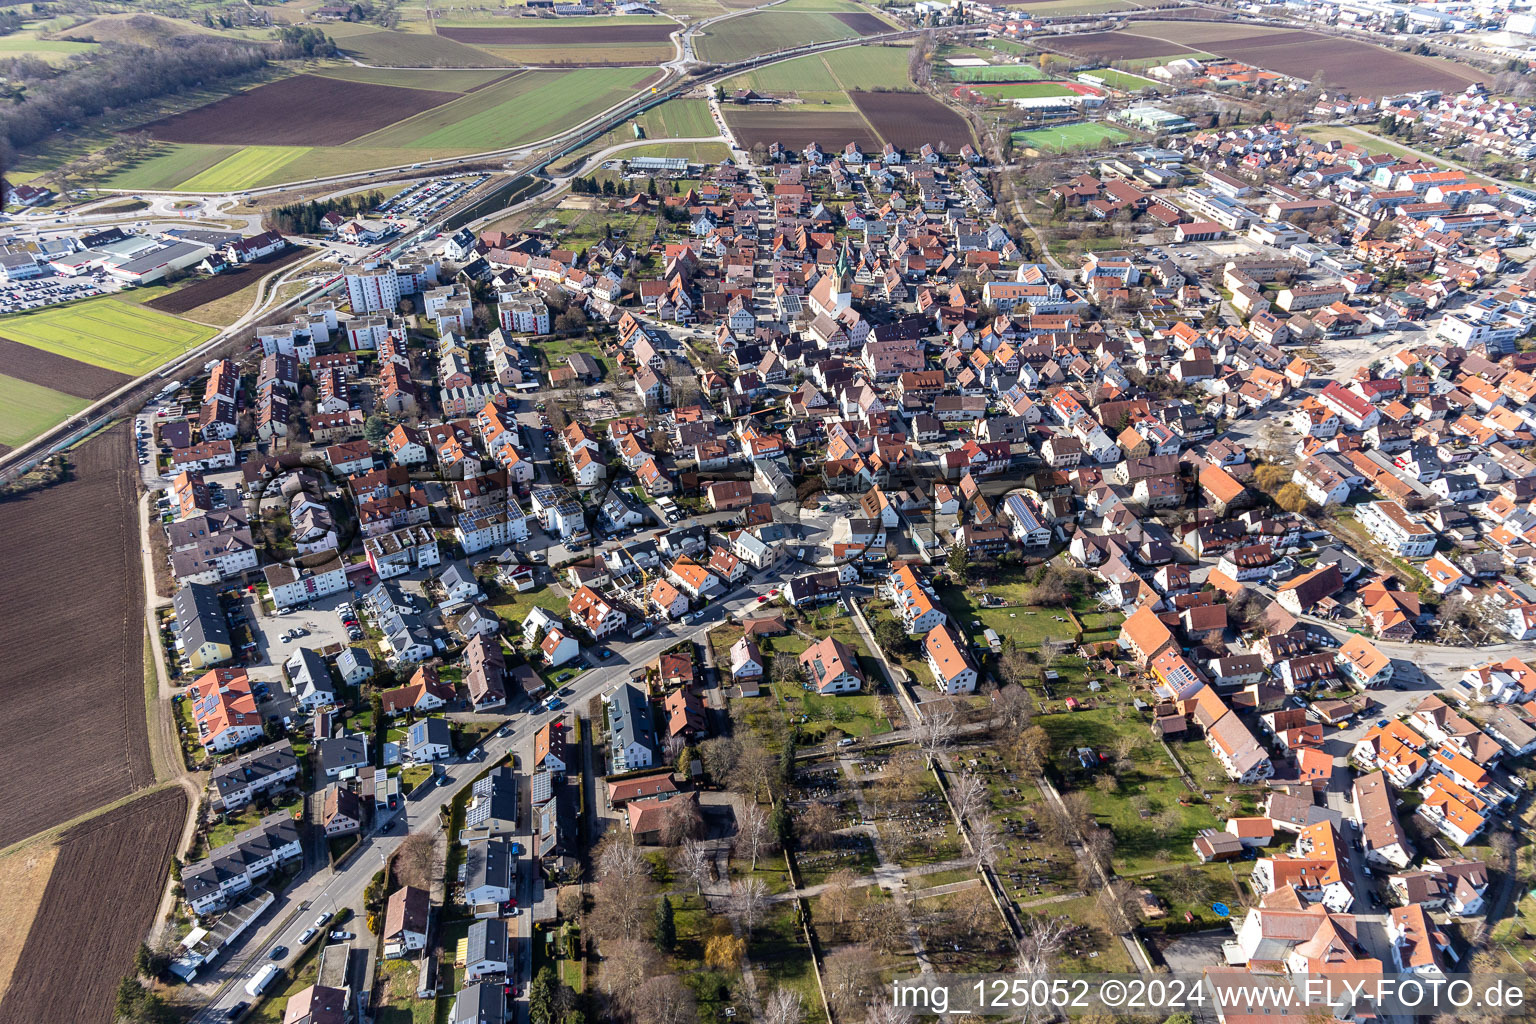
(28, 409)
(1069, 136)
(824, 75)
(173, 164)
(253, 163)
(1026, 90)
(54, 51)
(995, 73)
(525, 108)
(766, 31)
(106, 332)
(679, 119)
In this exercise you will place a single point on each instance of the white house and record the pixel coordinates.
(430, 739)
(559, 648)
(310, 679)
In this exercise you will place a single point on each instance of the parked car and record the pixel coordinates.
(236, 1010)
(323, 919)
(277, 952)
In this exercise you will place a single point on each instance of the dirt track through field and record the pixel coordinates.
(99, 904)
(72, 651)
(306, 110)
(60, 373)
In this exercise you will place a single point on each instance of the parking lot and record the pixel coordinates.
(50, 290)
(320, 620)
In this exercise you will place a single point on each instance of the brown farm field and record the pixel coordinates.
(200, 293)
(1120, 45)
(796, 130)
(306, 110)
(99, 903)
(1355, 65)
(72, 652)
(907, 120)
(863, 23)
(535, 35)
(60, 373)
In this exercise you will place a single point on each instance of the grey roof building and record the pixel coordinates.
(234, 867)
(200, 617)
(634, 733)
(341, 753)
(489, 868)
(251, 773)
(495, 800)
(310, 677)
(479, 1004)
(488, 950)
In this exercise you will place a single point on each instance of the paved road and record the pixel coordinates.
(330, 890)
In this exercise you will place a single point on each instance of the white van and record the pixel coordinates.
(261, 979)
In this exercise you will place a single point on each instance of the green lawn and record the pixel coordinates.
(1069, 136)
(514, 607)
(247, 817)
(251, 164)
(1154, 816)
(1027, 625)
(107, 332)
(28, 409)
(995, 73)
(1123, 81)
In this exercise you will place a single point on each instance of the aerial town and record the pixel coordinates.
(914, 493)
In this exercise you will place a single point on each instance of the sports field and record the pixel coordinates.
(1123, 81)
(1069, 136)
(27, 409)
(106, 332)
(995, 73)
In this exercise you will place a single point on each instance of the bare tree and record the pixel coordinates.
(968, 793)
(986, 844)
(754, 834)
(624, 889)
(416, 860)
(754, 768)
(672, 747)
(849, 975)
(837, 893)
(934, 731)
(626, 964)
(683, 820)
(1044, 939)
(1013, 707)
(665, 1000)
(784, 1007)
(881, 926)
(749, 901)
(619, 858)
(881, 1011)
(818, 824)
(696, 863)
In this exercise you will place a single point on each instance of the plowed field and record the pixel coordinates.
(306, 110)
(907, 120)
(227, 283)
(60, 373)
(72, 650)
(796, 130)
(100, 902)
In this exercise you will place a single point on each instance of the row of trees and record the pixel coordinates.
(115, 77)
(305, 218)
